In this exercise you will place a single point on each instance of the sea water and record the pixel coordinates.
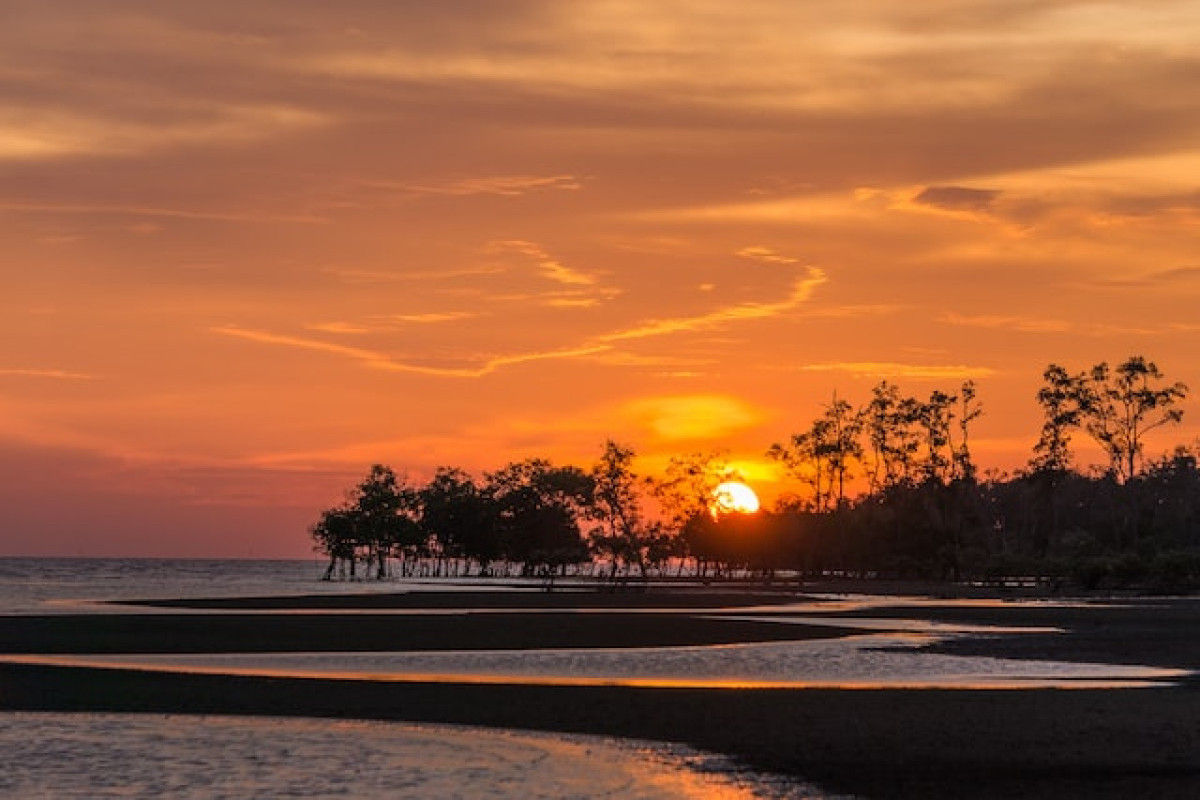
(52, 755)
(89, 755)
(73, 585)
(58, 755)
(84, 585)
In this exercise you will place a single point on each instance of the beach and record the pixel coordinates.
(862, 740)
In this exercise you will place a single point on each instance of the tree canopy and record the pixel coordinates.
(886, 489)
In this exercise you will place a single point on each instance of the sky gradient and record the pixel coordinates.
(250, 249)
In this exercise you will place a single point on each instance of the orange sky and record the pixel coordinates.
(250, 248)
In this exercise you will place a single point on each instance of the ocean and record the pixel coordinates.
(112, 755)
(57, 755)
(73, 585)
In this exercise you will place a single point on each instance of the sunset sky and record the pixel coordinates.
(249, 249)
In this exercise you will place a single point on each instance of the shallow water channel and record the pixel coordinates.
(860, 660)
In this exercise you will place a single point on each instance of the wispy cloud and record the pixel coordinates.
(766, 255)
(801, 293)
(627, 359)
(353, 275)
(572, 302)
(565, 298)
(430, 317)
(370, 358)
(338, 327)
(1008, 322)
(116, 209)
(548, 267)
(1033, 325)
(603, 343)
(504, 185)
(55, 374)
(33, 134)
(389, 322)
(892, 369)
(375, 359)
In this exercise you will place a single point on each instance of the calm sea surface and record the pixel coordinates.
(65, 585)
(84, 755)
(44, 755)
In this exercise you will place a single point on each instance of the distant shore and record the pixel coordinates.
(870, 742)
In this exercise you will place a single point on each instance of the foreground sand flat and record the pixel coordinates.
(871, 742)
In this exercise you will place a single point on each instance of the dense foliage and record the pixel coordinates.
(888, 489)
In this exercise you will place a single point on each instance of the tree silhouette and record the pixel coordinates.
(621, 532)
(890, 423)
(335, 536)
(538, 509)
(969, 410)
(460, 516)
(685, 494)
(1119, 407)
(921, 510)
(1060, 402)
(822, 455)
(936, 418)
(378, 520)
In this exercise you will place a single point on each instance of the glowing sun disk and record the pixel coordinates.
(734, 496)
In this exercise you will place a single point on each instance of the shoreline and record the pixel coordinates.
(870, 742)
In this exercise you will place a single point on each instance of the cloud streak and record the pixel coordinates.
(37, 135)
(1032, 325)
(892, 369)
(53, 374)
(801, 292)
(548, 267)
(375, 359)
(765, 255)
(1007, 322)
(431, 318)
(502, 185)
(117, 209)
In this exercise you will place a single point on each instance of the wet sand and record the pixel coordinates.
(1160, 632)
(519, 596)
(281, 633)
(871, 742)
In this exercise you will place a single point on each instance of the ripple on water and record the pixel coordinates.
(53, 755)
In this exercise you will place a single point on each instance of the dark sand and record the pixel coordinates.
(628, 596)
(873, 742)
(1162, 632)
(280, 633)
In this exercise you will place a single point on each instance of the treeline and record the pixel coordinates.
(533, 516)
(886, 489)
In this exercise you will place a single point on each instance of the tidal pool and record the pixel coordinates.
(885, 660)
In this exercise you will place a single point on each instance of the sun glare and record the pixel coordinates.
(734, 497)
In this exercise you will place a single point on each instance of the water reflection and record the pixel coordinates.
(901, 625)
(181, 756)
(869, 661)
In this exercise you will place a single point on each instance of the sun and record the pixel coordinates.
(734, 496)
